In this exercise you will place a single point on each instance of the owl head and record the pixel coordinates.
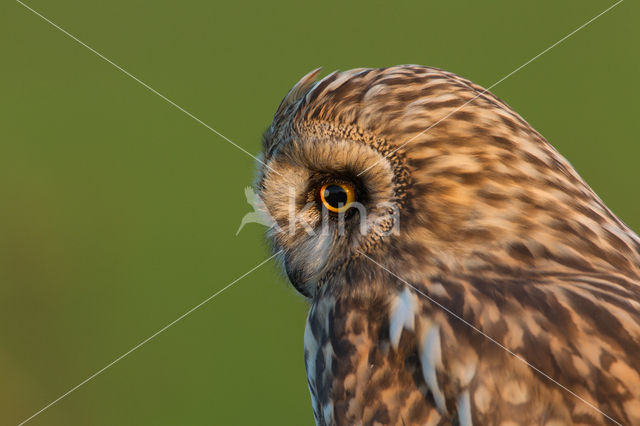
(428, 173)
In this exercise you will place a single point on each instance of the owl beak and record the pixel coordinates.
(297, 281)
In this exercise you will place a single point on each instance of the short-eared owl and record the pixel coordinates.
(459, 270)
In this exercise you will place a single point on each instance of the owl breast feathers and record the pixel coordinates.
(459, 270)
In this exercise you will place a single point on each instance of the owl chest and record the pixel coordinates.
(356, 374)
(401, 364)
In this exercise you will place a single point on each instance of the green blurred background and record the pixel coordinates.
(118, 212)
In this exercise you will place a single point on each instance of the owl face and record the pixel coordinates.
(331, 194)
(429, 174)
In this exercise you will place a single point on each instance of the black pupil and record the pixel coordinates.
(335, 196)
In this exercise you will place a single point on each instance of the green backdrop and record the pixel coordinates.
(118, 212)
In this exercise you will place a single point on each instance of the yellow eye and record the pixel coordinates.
(337, 197)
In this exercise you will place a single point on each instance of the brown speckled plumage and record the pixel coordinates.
(494, 225)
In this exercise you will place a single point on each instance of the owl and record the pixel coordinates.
(458, 269)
